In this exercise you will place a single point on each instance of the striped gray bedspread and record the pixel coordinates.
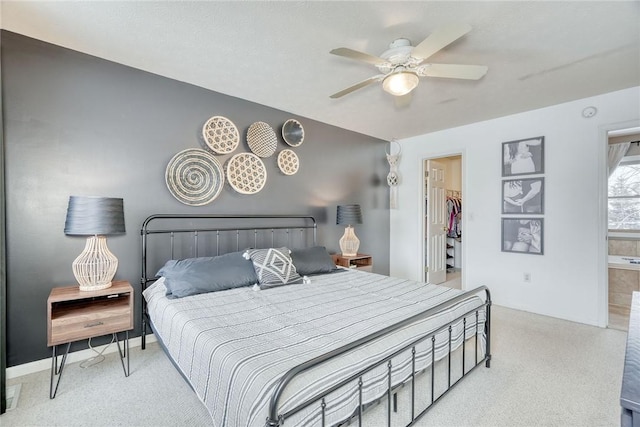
(233, 346)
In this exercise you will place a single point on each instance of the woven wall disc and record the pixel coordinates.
(288, 162)
(262, 139)
(221, 135)
(246, 173)
(194, 177)
(293, 132)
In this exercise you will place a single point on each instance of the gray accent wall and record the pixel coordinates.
(79, 125)
(3, 266)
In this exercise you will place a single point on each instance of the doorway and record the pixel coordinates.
(442, 220)
(623, 224)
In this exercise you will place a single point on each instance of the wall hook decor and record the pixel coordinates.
(393, 179)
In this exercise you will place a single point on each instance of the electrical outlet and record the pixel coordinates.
(527, 277)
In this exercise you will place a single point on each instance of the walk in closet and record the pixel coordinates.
(443, 204)
(454, 233)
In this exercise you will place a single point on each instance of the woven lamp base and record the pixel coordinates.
(349, 242)
(95, 266)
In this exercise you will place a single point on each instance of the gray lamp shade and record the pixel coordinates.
(349, 214)
(87, 216)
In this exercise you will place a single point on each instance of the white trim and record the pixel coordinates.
(465, 219)
(602, 242)
(421, 222)
(76, 356)
(634, 159)
(631, 235)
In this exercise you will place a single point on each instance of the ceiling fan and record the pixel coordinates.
(402, 65)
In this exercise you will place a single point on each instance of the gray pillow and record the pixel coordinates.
(273, 267)
(314, 260)
(194, 276)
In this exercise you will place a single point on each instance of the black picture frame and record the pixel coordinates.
(523, 235)
(523, 196)
(523, 157)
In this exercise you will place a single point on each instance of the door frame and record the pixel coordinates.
(422, 226)
(3, 270)
(603, 213)
(435, 233)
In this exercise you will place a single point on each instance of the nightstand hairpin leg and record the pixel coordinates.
(124, 352)
(55, 370)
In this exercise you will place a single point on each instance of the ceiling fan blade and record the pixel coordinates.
(454, 71)
(358, 56)
(357, 86)
(440, 38)
(403, 101)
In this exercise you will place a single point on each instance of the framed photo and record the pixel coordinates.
(523, 235)
(523, 157)
(523, 196)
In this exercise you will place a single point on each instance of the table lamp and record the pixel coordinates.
(95, 217)
(349, 214)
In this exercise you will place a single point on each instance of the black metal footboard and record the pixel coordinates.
(277, 419)
(217, 234)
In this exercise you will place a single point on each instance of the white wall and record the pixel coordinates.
(453, 172)
(568, 280)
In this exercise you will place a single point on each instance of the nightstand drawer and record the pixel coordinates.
(72, 322)
(361, 261)
(91, 316)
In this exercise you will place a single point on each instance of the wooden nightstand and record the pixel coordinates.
(74, 315)
(361, 261)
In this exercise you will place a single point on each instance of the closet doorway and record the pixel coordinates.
(442, 220)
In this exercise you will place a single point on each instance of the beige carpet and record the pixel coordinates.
(544, 372)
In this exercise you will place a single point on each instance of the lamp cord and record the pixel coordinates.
(94, 360)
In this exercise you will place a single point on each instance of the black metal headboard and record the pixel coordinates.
(192, 235)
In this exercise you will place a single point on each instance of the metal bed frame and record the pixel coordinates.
(206, 229)
(276, 419)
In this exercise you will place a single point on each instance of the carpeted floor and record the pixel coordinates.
(544, 372)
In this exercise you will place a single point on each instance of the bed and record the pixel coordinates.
(334, 347)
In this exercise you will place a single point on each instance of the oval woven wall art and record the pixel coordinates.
(293, 132)
(194, 177)
(262, 139)
(221, 135)
(288, 162)
(246, 173)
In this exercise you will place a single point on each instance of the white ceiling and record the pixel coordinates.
(277, 53)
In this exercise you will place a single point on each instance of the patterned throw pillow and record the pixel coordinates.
(273, 267)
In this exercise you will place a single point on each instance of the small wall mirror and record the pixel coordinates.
(293, 132)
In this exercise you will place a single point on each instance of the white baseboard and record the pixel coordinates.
(76, 356)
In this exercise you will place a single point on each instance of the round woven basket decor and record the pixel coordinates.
(288, 162)
(221, 135)
(246, 173)
(262, 139)
(293, 132)
(194, 177)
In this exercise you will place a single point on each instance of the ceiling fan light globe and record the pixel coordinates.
(399, 84)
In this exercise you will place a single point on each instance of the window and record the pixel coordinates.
(624, 195)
